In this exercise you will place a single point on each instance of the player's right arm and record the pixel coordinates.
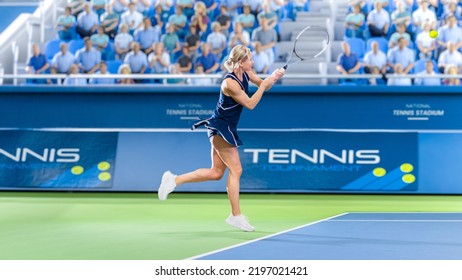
(232, 89)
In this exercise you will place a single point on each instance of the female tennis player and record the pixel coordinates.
(222, 132)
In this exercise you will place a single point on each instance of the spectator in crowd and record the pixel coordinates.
(87, 22)
(38, 64)
(402, 55)
(62, 61)
(270, 15)
(450, 33)
(178, 20)
(425, 78)
(137, 60)
(348, 61)
(217, 41)
(187, 7)
(192, 41)
(165, 6)
(256, 6)
(72, 80)
(246, 19)
(200, 19)
(132, 18)
(378, 21)
(77, 6)
(354, 23)
(110, 21)
(423, 14)
(261, 60)
(65, 25)
(233, 7)
(100, 42)
(402, 80)
(171, 40)
(120, 6)
(185, 61)
(159, 18)
(122, 42)
(425, 44)
(239, 36)
(88, 58)
(361, 3)
(451, 56)
(401, 15)
(375, 62)
(205, 81)
(451, 70)
(401, 33)
(276, 5)
(159, 60)
(143, 6)
(103, 72)
(124, 69)
(266, 36)
(208, 60)
(173, 69)
(211, 6)
(148, 35)
(224, 19)
(99, 6)
(451, 8)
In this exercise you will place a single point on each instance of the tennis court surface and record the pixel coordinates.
(359, 236)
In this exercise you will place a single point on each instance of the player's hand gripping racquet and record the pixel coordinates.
(310, 43)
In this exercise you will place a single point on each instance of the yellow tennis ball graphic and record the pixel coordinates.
(104, 176)
(406, 167)
(77, 170)
(379, 172)
(433, 34)
(104, 165)
(408, 178)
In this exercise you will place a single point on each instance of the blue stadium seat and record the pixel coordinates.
(357, 46)
(75, 45)
(419, 66)
(51, 48)
(383, 44)
(113, 66)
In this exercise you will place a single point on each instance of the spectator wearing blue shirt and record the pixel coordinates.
(132, 18)
(255, 6)
(354, 23)
(401, 79)
(178, 20)
(110, 21)
(187, 6)
(136, 59)
(143, 6)
(99, 6)
(65, 25)
(120, 6)
(122, 42)
(171, 40)
(401, 55)
(100, 41)
(87, 22)
(425, 78)
(88, 58)
(261, 60)
(208, 60)
(103, 71)
(217, 40)
(71, 80)
(62, 61)
(378, 21)
(247, 19)
(348, 62)
(38, 64)
(375, 62)
(147, 36)
(233, 6)
(450, 33)
(401, 33)
(266, 36)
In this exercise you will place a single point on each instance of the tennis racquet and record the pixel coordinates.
(310, 43)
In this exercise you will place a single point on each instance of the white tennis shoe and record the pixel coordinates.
(167, 185)
(239, 222)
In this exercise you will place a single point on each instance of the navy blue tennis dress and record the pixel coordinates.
(226, 115)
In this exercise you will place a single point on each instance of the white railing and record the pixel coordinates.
(215, 77)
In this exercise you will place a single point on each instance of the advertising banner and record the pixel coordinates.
(44, 159)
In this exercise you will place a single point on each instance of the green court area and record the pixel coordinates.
(137, 226)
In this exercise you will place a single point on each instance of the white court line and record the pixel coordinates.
(398, 221)
(262, 238)
(365, 130)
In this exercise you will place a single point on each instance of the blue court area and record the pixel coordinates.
(359, 236)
